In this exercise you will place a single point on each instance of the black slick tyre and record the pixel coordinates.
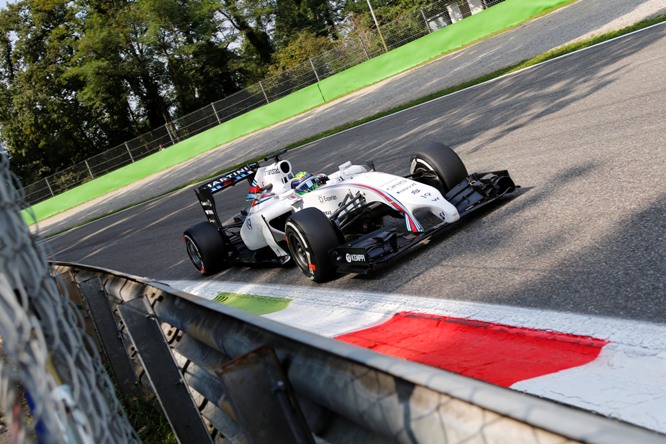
(310, 237)
(443, 161)
(206, 248)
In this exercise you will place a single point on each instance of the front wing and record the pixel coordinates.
(375, 249)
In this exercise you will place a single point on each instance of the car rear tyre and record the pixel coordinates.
(310, 237)
(443, 161)
(206, 248)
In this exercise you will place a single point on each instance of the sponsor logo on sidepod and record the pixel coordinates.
(324, 199)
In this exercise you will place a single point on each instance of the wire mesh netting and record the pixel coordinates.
(53, 386)
(356, 49)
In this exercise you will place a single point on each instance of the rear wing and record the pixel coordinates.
(206, 190)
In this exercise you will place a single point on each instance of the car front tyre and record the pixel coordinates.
(449, 170)
(311, 236)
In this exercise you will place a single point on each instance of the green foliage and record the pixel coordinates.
(78, 77)
(305, 45)
(42, 121)
(293, 17)
(247, 23)
(146, 417)
(386, 11)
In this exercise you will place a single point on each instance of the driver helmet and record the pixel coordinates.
(303, 182)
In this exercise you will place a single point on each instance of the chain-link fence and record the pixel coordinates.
(356, 49)
(53, 386)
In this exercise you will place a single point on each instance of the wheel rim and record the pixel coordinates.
(299, 253)
(432, 181)
(194, 254)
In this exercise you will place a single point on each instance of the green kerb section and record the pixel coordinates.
(258, 305)
(490, 21)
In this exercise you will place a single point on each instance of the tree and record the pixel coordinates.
(44, 126)
(99, 64)
(305, 45)
(115, 61)
(80, 76)
(197, 61)
(386, 10)
(292, 17)
(251, 20)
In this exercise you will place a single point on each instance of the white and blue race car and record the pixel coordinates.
(335, 223)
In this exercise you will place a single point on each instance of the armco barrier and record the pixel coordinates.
(250, 379)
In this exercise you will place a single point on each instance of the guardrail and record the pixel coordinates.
(224, 375)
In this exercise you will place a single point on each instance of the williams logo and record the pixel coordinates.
(355, 258)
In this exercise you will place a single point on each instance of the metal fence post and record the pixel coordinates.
(101, 313)
(49, 186)
(261, 85)
(129, 152)
(425, 19)
(314, 69)
(89, 170)
(379, 31)
(166, 126)
(163, 372)
(212, 105)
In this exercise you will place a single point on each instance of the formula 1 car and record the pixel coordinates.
(331, 224)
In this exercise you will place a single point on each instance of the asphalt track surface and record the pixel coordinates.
(585, 137)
